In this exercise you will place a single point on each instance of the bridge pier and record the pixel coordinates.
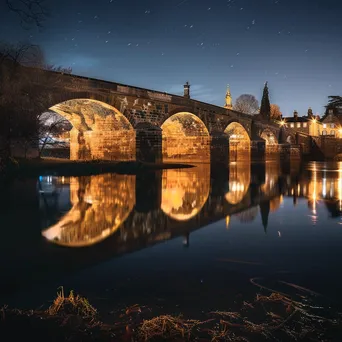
(149, 144)
(290, 153)
(272, 152)
(258, 150)
(219, 149)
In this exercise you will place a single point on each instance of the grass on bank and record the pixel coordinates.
(273, 317)
(72, 305)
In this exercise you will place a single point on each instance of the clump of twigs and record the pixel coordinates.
(168, 327)
(276, 316)
(72, 305)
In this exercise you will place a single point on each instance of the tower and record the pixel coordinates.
(187, 90)
(228, 104)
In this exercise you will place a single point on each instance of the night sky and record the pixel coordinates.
(296, 45)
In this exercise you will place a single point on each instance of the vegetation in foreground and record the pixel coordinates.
(275, 316)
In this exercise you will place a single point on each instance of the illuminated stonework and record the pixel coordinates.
(272, 173)
(100, 204)
(271, 141)
(185, 191)
(239, 180)
(99, 131)
(239, 142)
(185, 139)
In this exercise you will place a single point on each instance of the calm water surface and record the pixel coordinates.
(184, 240)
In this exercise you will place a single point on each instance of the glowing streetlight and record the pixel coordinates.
(282, 122)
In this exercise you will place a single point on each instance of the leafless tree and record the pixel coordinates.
(247, 103)
(25, 90)
(52, 132)
(30, 12)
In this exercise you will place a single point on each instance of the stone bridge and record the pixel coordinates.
(113, 121)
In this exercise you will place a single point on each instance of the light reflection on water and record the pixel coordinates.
(286, 218)
(100, 204)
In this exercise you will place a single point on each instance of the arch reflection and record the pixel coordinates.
(239, 180)
(185, 191)
(100, 204)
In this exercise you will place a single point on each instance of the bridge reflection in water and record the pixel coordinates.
(185, 191)
(105, 208)
(89, 220)
(100, 204)
(323, 185)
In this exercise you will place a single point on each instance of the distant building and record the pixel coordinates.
(332, 122)
(229, 102)
(308, 124)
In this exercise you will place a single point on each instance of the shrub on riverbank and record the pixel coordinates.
(277, 316)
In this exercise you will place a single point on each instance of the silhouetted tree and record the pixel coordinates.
(265, 108)
(51, 127)
(275, 113)
(335, 101)
(246, 103)
(30, 12)
(25, 90)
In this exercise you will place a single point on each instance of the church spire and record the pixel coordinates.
(228, 104)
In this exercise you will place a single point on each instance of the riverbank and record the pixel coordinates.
(273, 316)
(66, 167)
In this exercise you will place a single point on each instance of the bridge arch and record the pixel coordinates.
(239, 142)
(269, 137)
(100, 131)
(185, 138)
(271, 142)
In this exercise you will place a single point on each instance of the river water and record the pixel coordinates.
(185, 240)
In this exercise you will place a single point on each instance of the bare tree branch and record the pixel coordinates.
(30, 12)
(247, 103)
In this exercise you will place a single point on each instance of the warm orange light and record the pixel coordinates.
(314, 120)
(282, 122)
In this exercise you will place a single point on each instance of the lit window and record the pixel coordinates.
(324, 125)
(292, 125)
(298, 125)
(332, 132)
(305, 124)
(324, 132)
(332, 125)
